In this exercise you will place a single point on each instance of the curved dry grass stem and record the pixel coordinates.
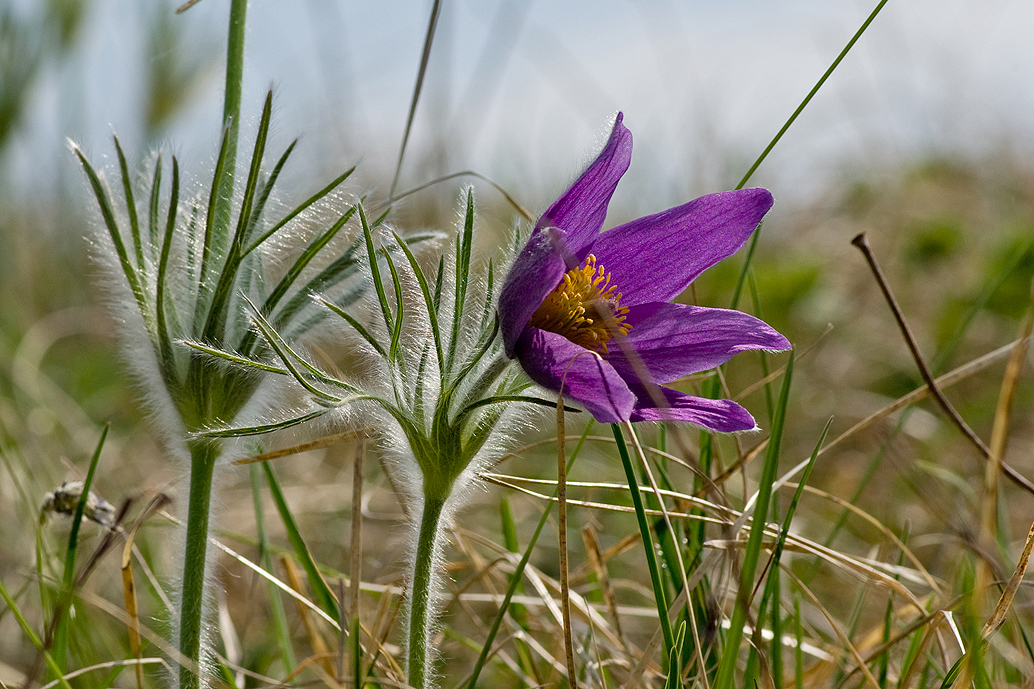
(850, 647)
(355, 559)
(318, 444)
(863, 245)
(989, 507)
(997, 617)
(887, 533)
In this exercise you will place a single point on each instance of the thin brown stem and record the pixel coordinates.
(565, 589)
(863, 245)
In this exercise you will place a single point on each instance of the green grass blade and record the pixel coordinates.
(798, 651)
(793, 117)
(515, 578)
(432, 24)
(665, 540)
(31, 635)
(656, 579)
(674, 680)
(811, 94)
(281, 629)
(324, 598)
(725, 677)
(59, 647)
(771, 593)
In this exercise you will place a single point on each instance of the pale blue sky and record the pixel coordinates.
(522, 90)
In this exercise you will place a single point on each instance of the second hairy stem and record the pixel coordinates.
(192, 594)
(422, 590)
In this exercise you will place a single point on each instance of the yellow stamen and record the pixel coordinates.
(585, 308)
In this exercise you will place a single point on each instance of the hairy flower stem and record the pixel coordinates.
(421, 592)
(203, 457)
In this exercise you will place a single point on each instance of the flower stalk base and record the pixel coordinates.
(195, 562)
(421, 593)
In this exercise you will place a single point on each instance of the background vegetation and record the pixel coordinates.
(952, 227)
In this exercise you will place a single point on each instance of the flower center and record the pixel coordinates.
(585, 308)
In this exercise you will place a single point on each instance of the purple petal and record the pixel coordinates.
(674, 340)
(562, 235)
(534, 274)
(724, 416)
(656, 257)
(553, 362)
(580, 211)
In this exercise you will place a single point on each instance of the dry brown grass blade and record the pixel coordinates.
(319, 647)
(513, 483)
(565, 583)
(132, 612)
(937, 618)
(997, 617)
(136, 662)
(355, 563)
(844, 640)
(1010, 382)
(885, 646)
(887, 533)
(168, 650)
(863, 570)
(319, 443)
(318, 664)
(943, 382)
(993, 468)
(595, 555)
(129, 584)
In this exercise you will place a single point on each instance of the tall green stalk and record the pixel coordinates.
(205, 454)
(231, 111)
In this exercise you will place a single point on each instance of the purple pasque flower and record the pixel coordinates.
(588, 314)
